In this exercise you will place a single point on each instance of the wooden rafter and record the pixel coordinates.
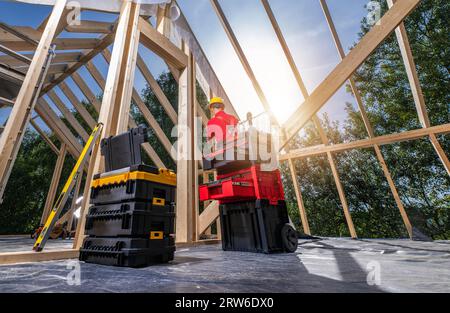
(61, 57)
(102, 44)
(77, 105)
(80, 131)
(44, 136)
(90, 27)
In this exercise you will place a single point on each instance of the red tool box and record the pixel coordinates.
(248, 184)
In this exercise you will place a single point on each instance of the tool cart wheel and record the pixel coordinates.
(290, 238)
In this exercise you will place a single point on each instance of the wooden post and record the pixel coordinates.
(298, 194)
(19, 117)
(54, 183)
(116, 98)
(337, 180)
(186, 230)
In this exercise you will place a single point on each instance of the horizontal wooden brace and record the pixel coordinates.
(366, 143)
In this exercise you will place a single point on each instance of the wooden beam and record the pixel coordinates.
(160, 45)
(441, 153)
(65, 57)
(31, 256)
(285, 47)
(157, 90)
(148, 116)
(80, 131)
(86, 57)
(54, 183)
(20, 32)
(61, 44)
(241, 55)
(58, 127)
(298, 194)
(90, 96)
(394, 191)
(128, 70)
(348, 66)
(44, 136)
(208, 216)
(6, 102)
(87, 117)
(366, 143)
(186, 174)
(89, 27)
(336, 178)
(11, 75)
(19, 117)
(14, 54)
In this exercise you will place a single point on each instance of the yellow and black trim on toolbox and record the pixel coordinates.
(156, 235)
(159, 201)
(165, 177)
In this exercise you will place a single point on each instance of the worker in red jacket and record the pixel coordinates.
(222, 126)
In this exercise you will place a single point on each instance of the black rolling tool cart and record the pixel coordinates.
(253, 212)
(131, 219)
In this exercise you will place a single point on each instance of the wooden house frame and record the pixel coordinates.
(185, 61)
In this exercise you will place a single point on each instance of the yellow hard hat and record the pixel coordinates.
(216, 100)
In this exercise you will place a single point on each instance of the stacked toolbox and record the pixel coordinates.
(253, 211)
(131, 219)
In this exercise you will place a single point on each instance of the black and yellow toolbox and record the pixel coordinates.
(131, 221)
(127, 252)
(139, 183)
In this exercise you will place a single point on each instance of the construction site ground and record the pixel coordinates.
(320, 265)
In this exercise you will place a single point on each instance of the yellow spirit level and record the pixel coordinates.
(62, 199)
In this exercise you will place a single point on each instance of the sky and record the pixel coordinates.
(302, 23)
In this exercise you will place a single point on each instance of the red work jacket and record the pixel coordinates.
(217, 127)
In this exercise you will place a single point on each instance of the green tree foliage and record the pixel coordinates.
(28, 185)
